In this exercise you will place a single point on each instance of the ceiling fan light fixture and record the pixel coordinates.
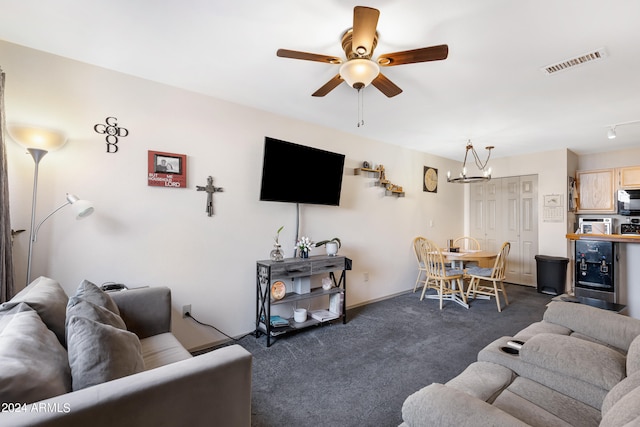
(359, 72)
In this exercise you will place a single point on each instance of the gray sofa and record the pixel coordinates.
(579, 366)
(104, 359)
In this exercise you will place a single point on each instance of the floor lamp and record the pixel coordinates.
(39, 142)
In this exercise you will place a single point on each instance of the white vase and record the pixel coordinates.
(332, 248)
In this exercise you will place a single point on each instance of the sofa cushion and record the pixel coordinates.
(34, 363)
(603, 325)
(100, 353)
(484, 380)
(633, 356)
(620, 390)
(49, 300)
(626, 411)
(439, 405)
(90, 292)
(162, 349)
(590, 362)
(540, 328)
(86, 309)
(536, 404)
(577, 389)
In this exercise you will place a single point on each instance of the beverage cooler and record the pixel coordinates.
(596, 270)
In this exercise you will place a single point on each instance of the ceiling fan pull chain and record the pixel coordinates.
(360, 108)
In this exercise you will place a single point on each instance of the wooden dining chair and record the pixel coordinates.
(446, 281)
(467, 243)
(422, 270)
(493, 275)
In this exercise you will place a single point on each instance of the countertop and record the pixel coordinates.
(619, 238)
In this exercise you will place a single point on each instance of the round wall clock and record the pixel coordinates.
(430, 180)
(278, 290)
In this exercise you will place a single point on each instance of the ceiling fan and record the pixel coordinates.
(359, 70)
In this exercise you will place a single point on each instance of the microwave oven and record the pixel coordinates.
(629, 202)
(595, 225)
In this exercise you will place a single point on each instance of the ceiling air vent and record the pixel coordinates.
(596, 55)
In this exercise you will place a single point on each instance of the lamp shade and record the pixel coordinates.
(361, 71)
(82, 208)
(36, 137)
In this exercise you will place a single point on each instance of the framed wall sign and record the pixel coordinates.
(167, 169)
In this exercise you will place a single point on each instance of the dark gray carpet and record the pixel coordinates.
(359, 374)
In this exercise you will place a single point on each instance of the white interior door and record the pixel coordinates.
(528, 229)
(505, 209)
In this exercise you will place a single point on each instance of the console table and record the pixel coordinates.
(268, 272)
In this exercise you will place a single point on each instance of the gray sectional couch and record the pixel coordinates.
(104, 359)
(579, 366)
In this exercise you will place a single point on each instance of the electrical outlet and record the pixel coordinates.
(186, 309)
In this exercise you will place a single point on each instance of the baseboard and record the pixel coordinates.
(371, 301)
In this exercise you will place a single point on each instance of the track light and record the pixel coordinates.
(611, 133)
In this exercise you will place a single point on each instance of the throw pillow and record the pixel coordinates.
(83, 308)
(92, 293)
(34, 363)
(100, 353)
(49, 300)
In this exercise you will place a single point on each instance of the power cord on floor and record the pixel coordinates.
(189, 315)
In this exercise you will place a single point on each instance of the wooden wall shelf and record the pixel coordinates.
(389, 188)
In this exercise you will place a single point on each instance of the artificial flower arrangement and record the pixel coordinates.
(304, 244)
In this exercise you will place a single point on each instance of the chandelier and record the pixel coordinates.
(463, 178)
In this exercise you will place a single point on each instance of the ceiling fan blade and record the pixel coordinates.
(329, 86)
(386, 86)
(294, 54)
(425, 54)
(365, 21)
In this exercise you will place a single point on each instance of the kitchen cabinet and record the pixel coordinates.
(629, 177)
(596, 191)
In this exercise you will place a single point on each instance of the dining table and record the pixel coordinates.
(484, 259)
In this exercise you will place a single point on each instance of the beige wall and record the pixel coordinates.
(610, 159)
(141, 235)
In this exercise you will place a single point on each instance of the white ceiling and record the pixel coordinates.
(489, 90)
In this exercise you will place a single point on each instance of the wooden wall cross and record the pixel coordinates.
(210, 189)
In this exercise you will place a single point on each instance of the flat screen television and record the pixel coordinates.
(300, 174)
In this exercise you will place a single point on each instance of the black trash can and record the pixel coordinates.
(552, 274)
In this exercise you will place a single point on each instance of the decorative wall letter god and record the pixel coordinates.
(112, 131)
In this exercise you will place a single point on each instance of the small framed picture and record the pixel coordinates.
(167, 169)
